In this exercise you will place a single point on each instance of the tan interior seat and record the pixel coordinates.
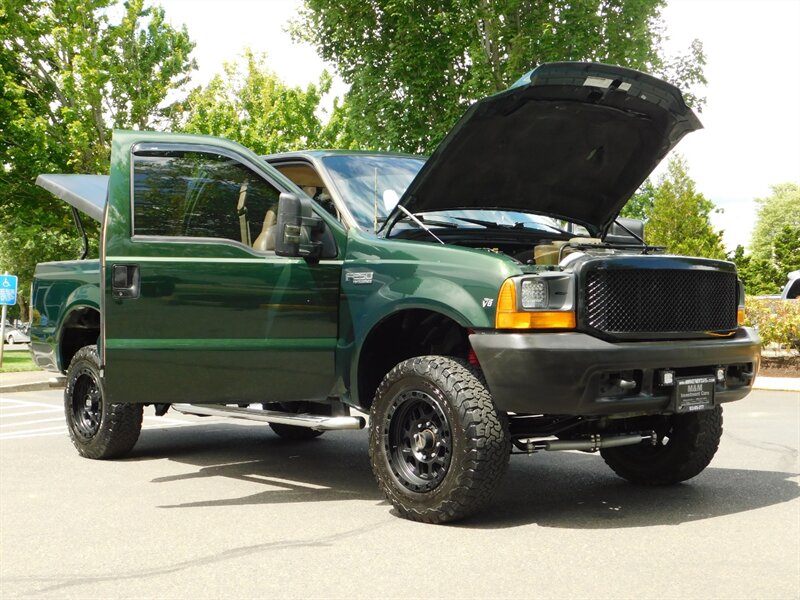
(265, 242)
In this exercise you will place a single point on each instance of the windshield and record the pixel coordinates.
(371, 184)
(365, 180)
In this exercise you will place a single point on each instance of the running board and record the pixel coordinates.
(318, 422)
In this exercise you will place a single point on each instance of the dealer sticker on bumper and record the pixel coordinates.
(694, 393)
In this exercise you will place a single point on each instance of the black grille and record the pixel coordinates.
(650, 301)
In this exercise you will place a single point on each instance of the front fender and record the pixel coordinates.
(430, 293)
(434, 294)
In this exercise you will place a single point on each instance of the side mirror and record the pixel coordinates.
(296, 227)
(617, 233)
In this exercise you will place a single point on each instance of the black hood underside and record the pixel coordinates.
(573, 142)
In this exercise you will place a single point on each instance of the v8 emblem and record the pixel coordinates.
(488, 302)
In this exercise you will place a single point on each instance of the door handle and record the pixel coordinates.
(125, 281)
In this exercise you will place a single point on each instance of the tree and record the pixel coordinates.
(251, 105)
(758, 276)
(786, 250)
(641, 203)
(68, 74)
(679, 216)
(413, 67)
(780, 209)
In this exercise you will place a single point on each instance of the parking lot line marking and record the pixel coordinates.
(9, 400)
(167, 420)
(31, 432)
(285, 482)
(40, 411)
(22, 404)
(166, 425)
(15, 424)
(9, 436)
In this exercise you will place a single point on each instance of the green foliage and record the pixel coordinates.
(68, 74)
(641, 203)
(786, 249)
(760, 277)
(780, 209)
(414, 67)
(679, 215)
(15, 362)
(768, 276)
(251, 105)
(777, 321)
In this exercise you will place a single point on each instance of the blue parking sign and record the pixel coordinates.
(8, 289)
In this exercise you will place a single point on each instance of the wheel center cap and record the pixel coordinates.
(424, 440)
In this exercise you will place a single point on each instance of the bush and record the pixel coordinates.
(777, 321)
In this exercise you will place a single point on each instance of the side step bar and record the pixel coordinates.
(318, 422)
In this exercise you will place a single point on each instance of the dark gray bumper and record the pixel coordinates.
(572, 373)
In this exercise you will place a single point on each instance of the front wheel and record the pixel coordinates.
(10, 340)
(438, 446)
(98, 429)
(685, 446)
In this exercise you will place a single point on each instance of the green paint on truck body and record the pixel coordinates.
(216, 321)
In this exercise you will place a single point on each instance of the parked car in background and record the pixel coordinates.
(791, 291)
(15, 335)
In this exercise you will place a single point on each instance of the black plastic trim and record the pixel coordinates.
(562, 373)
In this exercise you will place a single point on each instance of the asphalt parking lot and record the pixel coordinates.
(210, 508)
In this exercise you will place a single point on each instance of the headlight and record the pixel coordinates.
(534, 293)
(543, 301)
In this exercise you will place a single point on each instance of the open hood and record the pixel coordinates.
(87, 193)
(568, 140)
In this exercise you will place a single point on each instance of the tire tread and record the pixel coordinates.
(696, 443)
(487, 445)
(120, 424)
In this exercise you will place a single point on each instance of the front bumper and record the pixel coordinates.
(574, 373)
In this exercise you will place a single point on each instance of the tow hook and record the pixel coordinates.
(593, 443)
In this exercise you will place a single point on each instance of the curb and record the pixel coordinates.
(33, 386)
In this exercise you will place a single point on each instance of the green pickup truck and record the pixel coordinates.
(484, 301)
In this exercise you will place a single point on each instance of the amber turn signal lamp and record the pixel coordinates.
(507, 316)
(740, 316)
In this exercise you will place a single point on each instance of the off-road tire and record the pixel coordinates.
(98, 429)
(686, 445)
(293, 432)
(444, 400)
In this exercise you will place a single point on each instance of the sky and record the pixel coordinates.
(751, 138)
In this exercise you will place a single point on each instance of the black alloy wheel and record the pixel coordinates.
(418, 441)
(437, 444)
(98, 428)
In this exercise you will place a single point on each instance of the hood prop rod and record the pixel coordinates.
(413, 217)
(76, 216)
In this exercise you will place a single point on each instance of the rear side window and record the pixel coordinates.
(198, 194)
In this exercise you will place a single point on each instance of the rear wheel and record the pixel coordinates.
(438, 446)
(98, 429)
(686, 444)
(291, 432)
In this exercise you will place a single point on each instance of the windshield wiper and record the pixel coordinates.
(424, 220)
(516, 225)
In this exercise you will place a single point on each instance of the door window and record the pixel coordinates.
(181, 193)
